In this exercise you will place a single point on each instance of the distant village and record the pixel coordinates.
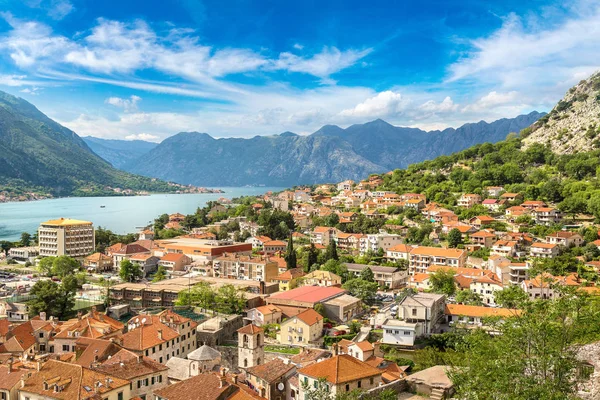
(314, 293)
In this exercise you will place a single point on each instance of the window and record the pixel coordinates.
(160, 360)
(146, 382)
(359, 384)
(160, 379)
(347, 388)
(120, 396)
(160, 347)
(152, 381)
(371, 381)
(65, 347)
(42, 335)
(414, 311)
(139, 384)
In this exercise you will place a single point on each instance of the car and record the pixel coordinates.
(327, 325)
(339, 333)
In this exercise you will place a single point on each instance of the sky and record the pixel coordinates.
(148, 69)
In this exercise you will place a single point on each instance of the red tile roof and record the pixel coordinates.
(309, 294)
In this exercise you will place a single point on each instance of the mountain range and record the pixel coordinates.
(329, 154)
(37, 152)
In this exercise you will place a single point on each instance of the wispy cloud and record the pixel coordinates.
(128, 105)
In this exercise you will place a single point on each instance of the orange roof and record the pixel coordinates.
(457, 270)
(419, 278)
(309, 317)
(544, 245)
(340, 369)
(364, 345)
(147, 334)
(401, 248)
(290, 274)
(250, 329)
(485, 218)
(483, 234)
(437, 252)
(321, 229)
(479, 311)
(275, 243)
(268, 309)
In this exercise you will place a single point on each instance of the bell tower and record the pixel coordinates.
(251, 341)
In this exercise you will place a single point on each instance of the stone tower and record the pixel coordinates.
(251, 340)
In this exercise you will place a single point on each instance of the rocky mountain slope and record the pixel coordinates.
(573, 125)
(118, 152)
(287, 159)
(328, 155)
(36, 151)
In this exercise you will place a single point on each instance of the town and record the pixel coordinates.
(324, 292)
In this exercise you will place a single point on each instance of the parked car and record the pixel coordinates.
(339, 333)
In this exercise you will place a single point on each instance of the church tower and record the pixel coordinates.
(251, 340)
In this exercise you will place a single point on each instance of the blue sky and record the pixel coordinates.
(149, 69)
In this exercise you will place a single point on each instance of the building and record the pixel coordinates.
(289, 279)
(126, 251)
(174, 262)
(486, 286)
(274, 246)
(474, 315)
(484, 238)
(200, 250)
(262, 315)
(546, 216)
(374, 242)
(423, 257)
(494, 191)
(543, 286)
(399, 252)
(144, 373)
(93, 325)
(98, 262)
(160, 336)
(322, 235)
(206, 386)
(66, 237)
(386, 277)
(481, 221)
(341, 374)
(10, 381)
(425, 309)
(544, 250)
(302, 329)
(206, 357)
(469, 200)
(245, 267)
(251, 341)
(271, 380)
(321, 278)
(401, 333)
(565, 239)
(147, 262)
(23, 254)
(258, 241)
(65, 381)
(294, 301)
(504, 248)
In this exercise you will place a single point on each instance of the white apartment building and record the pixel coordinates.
(66, 237)
(378, 241)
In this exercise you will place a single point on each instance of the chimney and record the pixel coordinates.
(160, 336)
(43, 315)
(79, 314)
(223, 371)
(335, 349)
(223, 382)
(38, 365)
(107, 382)
(9, 364)
(262, 287)
(96, 355)
(139, 358)
(235, 379)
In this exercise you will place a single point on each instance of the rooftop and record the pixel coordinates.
(309, 294)
(66, 222)
(340, 369)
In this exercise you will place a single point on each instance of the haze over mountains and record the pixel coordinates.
(330, 154)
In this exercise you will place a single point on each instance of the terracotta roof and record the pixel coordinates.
(268, 309)
(131, 249)
(173, 257)
(272, 370)
(66, 222)
(483, 234)
(309, 317)
(321, 229)
(21, 338)
(437, 251)
(540, 245)
(250, 329)
(146, 335)
(479, 311)
(9, 379)
(97, 257)
(290, 274)
(340, 369)
(463, 282)
(74, 379)
(205, 386)
(458, 270)
(4, 327)
(128, 365)
(419, 278)
(275, 243)
(401, 248)
(93, 325)
(489, 201)
(114, 248)
(486, 218)
(88, 349)
(364, 345)
(563, 234)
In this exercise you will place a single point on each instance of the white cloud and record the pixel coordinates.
(143, 136)
(446, 105)
(16, 80)
(493, 99)
(298, 46)
(323, 64)
(128, 105)
(31, 90)
(523, 56)
(384, 104)
(59, 9)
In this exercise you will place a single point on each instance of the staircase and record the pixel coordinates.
(437, 394)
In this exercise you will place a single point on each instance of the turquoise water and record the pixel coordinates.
(121, 214)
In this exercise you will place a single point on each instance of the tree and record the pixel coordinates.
(532, 357)
(354, 326)
(331, 251)
(367, 275)
(45, 265)
(312, 257)
(52, 298)
(320, 391)
(320, 308)
(511, 297)
(442, 281)
(5, 245)
(454, 238)
(64, 266)
(290, 254)
(161, 274)
(468, 297)
(364, 290)
(25, 239)
(129, 272)
(229, 300)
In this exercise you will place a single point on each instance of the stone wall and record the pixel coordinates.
(589, 356)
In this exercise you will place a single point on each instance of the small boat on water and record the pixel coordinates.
(102, 206)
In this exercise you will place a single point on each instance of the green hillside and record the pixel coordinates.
(38, 154)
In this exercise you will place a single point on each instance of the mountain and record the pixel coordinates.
(330, 154)
(118, 152)
(36, 151)
(397, 147)
(573, 125)
(287, 159)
